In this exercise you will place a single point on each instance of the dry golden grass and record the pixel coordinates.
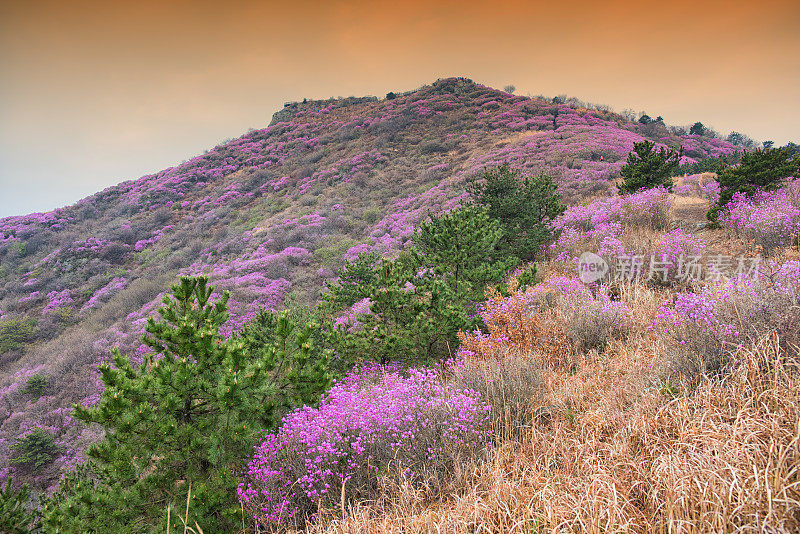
(615, 448)
(616, 458)
(689, 211)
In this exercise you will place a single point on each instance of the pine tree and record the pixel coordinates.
(419, 301)
(759, 170)
(697, 129)
(647, 168)
(14, 515)
(524, 206)
(395, 327)
(353, 281)
(461, 254)
(34, 450)
(186, 417)
(462, 248)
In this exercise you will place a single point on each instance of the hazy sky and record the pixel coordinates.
(94, 93)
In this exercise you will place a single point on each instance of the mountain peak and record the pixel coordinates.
(274, 213)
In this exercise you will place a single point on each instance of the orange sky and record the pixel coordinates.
(92, 93)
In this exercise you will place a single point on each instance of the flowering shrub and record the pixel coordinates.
(706, 327)
(394, 231)
(254, 213)
(345, 169)
(104, 293)
(703, 185)
(598, 225)
(672, 260)
(30, 297)
(770, 219)
(685, 189)
(710, 191)
(375, 423)
(58, 300)
(645, 209)
(157, 235)
(257, 279)
(42, 434)
(349, 319)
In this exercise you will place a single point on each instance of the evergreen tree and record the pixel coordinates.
(759, 170)
(462, 248)
(14, 516)
(186, 418)
(740, 139)
(291, 342)
(353, 281)
(396, 327)
(716, 164)
(460, 254)
(420, 301)
(647, 168)
(697, 129)
(34, 450)
(524, 206)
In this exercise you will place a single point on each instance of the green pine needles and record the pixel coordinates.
(760, 170)
(186, 416)
(418, 302)
(190, 413)
(523, 205)
(15, 517)
(648, 168)
(34, 450)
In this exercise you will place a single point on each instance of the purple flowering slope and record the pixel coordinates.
(270, 215)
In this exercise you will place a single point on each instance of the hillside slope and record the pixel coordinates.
(270, 216)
